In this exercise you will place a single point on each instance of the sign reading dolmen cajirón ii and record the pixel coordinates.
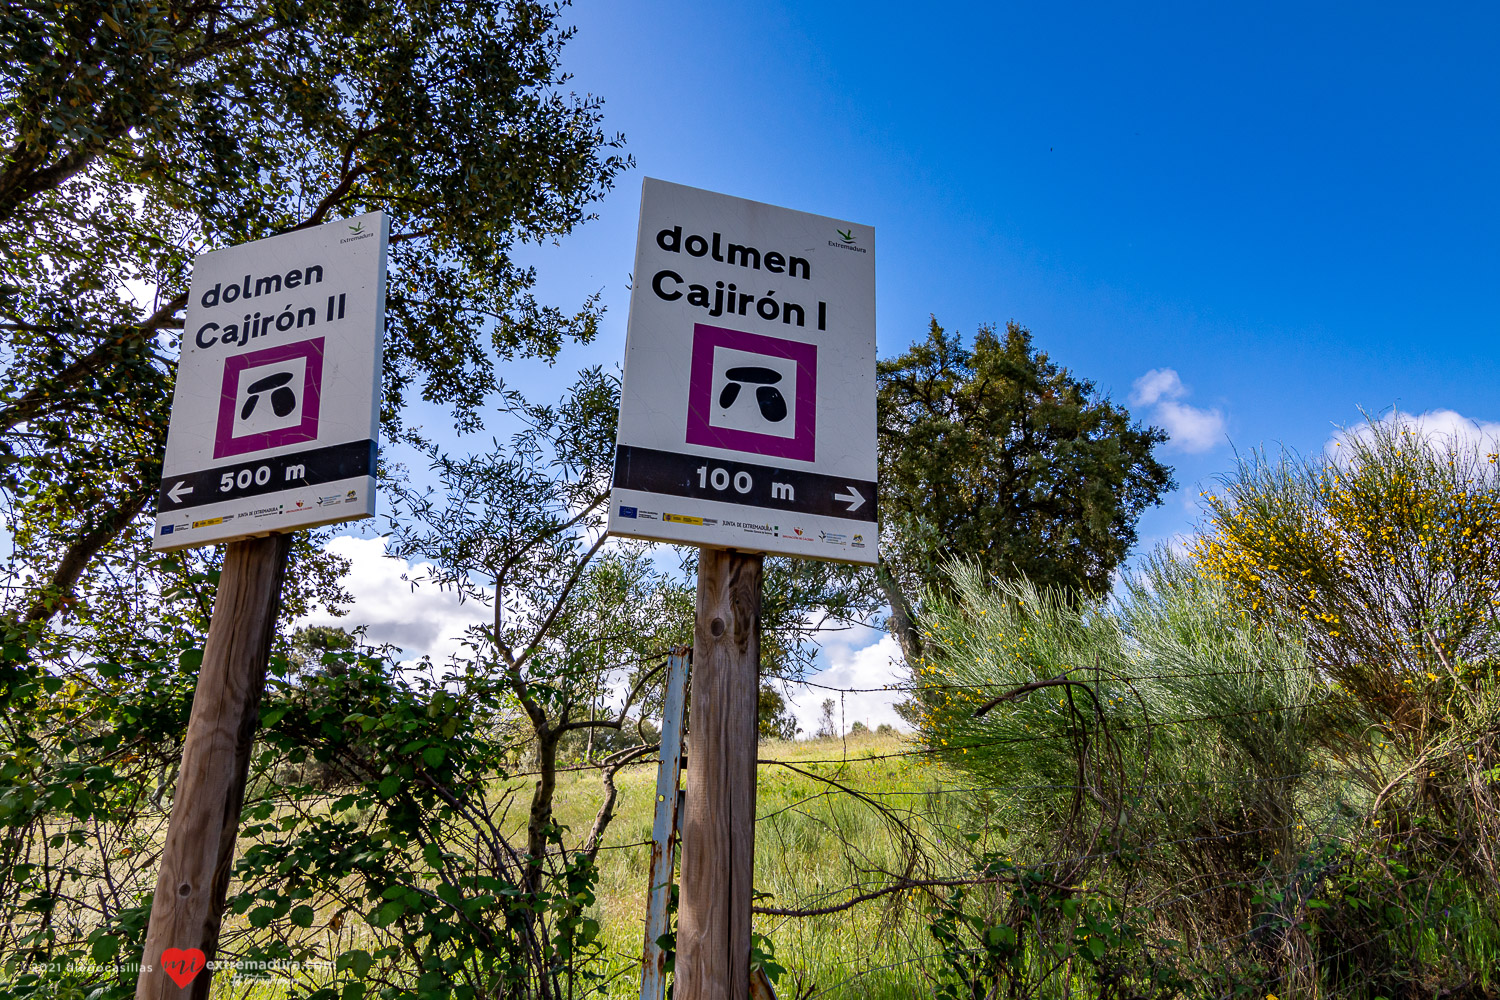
(747, 415)
(275, 416)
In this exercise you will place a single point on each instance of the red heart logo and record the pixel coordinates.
(182, 964)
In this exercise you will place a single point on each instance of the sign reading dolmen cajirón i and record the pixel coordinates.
(747, 416)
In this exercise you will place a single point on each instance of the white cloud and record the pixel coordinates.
(1191, 429)
(427, 620)
(1156, 384)
(1436, 427)
(420, 619)
(860, 658)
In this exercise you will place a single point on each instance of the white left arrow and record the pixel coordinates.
(852, 498)
(177, 491)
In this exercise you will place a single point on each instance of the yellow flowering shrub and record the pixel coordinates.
(1384, 553)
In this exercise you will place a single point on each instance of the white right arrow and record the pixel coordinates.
(177, 491)
(852, 498)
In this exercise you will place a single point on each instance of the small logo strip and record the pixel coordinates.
(846, 241)
(208, 523)
(682, 519)
(627, 512)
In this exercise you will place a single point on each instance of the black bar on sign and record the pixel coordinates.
(258, 476)
(670, 473)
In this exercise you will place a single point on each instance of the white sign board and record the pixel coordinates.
(747, 416)
(275, 417)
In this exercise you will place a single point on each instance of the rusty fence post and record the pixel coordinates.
(664, 827)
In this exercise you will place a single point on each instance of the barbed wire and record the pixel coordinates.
(970, 789)
(1086, 673)
(1127, 727)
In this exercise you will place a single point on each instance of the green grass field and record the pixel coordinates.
(810, 847)
(813, 842)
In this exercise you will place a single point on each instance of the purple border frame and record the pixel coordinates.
(225, 444)
(803, 445)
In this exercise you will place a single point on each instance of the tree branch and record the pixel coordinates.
(901, 885)
(59, 589)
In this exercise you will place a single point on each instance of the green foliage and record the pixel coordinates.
(520, 528)
(1382, 557)
(828, 726)
(774, 720)
(135, 135)
(82, 774)
(996, 454)
(1165, 752)
(1382, 554)
(375, 855)
(1167, 718)
(1042, 937)
(412, 844)
(310, 643)
(763, 958)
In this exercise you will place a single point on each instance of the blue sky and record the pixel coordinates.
(1293, 209)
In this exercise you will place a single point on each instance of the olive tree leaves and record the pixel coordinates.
(133, 136)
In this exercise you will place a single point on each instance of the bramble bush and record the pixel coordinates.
(376, 854)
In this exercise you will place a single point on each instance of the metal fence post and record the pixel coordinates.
(664, 827)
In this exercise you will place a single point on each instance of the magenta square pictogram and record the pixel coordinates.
(748, 392)
(270, 398)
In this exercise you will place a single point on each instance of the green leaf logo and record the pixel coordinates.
(847, 235)
(357, 229)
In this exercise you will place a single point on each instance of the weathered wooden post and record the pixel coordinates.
(747, 427)
(275, 423)
(718, 830)
(199, 852)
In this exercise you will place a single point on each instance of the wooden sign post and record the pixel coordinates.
(275, 426)
(747, 428)
(718, 832)
(199, 851)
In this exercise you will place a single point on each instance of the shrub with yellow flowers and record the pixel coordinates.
(1382, 554)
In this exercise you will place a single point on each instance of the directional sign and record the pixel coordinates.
(275, 415)
(747, 417)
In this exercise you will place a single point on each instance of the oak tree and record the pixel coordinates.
(995, 454)
(134, 135)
